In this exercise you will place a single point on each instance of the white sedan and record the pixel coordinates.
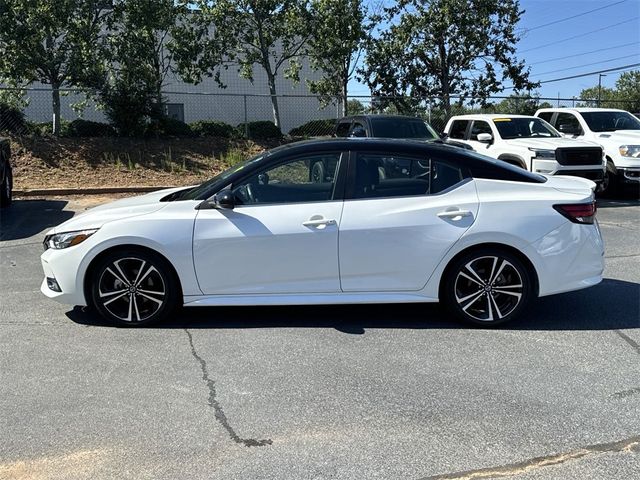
(334, 222)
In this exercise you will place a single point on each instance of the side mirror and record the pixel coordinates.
(569, 129)
(221, 200)
(224, 199)
(485, 138)
(444, 135)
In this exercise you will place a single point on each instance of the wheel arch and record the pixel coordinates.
(500, 246)
(513, 160)
(88, 274)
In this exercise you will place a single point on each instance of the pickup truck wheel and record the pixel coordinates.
(6, 193)
(609, 185)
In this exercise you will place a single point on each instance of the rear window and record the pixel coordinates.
(458, 129)
(487, 167)
(402, 128)
(546, 116)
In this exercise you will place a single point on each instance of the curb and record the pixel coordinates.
(83, 191)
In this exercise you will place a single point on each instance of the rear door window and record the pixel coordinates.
(458, 129)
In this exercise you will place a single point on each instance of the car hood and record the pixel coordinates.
(620, 137)
(549, 143)
(96, 217)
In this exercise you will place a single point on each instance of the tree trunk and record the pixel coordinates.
(55, 92)
(345, 99)
(271, 78)
(444, 80)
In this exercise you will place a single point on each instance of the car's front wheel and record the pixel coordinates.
(134, 288)
(487, 287)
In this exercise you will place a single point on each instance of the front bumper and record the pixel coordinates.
(629, 175)
(61, 268)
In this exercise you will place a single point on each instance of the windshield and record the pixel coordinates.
(219, 180)
(525, 127)
(402, 128)
(610, 121)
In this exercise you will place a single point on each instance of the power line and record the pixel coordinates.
(584, 53)
(587, 65)
(574, 16)
(615, 69)
(579, 36)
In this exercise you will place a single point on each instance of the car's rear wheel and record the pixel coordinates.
(6, 189)
(134, 288)
(487, 287)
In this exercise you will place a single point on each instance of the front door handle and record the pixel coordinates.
(318, 222)
(454, 213)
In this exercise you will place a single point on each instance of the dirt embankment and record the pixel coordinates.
(48, 162)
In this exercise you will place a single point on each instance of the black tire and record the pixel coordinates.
(471, 295)
(117, 293)
(6, 189)
(610, 184)
(317, 172)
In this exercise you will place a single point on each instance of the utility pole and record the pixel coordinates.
(600, 75)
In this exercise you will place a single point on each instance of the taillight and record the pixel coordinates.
(578, 212)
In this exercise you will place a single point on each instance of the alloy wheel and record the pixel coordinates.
(131, 289)
(488, 288)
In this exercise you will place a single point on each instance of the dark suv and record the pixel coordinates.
(391, 126)
(6, 175)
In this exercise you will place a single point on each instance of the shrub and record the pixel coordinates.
(12, 119)
(213, 128)
(43, 129)
(315, 128)
(87, 128)
(261, 130)
(168, 127)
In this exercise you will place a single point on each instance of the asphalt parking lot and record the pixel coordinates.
(358, 392)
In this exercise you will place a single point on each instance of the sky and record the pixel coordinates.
(606, 38)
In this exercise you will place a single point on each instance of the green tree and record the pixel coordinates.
(52, 42)
(355, 107)
(269, 34)
(442, 48)
(628, 88)
(339, 31)
(519, 105)
(589, 97)
(140, 59)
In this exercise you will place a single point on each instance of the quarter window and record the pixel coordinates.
(381, 175)
(304, 179)
(458, 129)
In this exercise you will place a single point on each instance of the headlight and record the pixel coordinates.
(67, 239)
(543, 154)
(630, 151)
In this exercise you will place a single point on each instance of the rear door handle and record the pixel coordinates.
(454, 213)
(318, 222)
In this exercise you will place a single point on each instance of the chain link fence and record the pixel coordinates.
(30, 111)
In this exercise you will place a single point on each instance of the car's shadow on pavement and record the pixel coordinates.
(611, 305)
(623, 201)
(26, 218)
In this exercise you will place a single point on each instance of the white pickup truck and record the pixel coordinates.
(616, 131)
(530, 143)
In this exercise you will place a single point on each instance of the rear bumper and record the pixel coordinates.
(571, 257)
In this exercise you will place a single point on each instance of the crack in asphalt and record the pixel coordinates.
(623, 256)
(215, 404)
(627, 445)
(626, 393)
(635, 345)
